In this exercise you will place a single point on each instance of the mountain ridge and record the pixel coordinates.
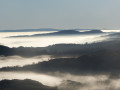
(63, 32)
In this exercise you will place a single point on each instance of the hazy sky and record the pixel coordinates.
(18, 14)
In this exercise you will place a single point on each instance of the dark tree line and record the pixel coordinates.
(59, 49)
(26, 84)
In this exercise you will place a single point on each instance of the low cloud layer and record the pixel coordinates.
(103, 61)
(20, 61)
(102, 82)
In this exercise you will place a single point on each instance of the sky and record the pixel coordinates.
(64, 14)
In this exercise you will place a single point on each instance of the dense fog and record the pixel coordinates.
(72, 62)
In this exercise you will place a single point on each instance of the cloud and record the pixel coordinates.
(21, 61)
(103, 61)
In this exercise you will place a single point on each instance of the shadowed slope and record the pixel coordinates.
(23, 85)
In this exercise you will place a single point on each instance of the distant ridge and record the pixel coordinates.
(41, 29)
(30, 30)
(76, 32)
(63, 32)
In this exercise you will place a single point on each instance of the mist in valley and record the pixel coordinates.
(78, 62)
